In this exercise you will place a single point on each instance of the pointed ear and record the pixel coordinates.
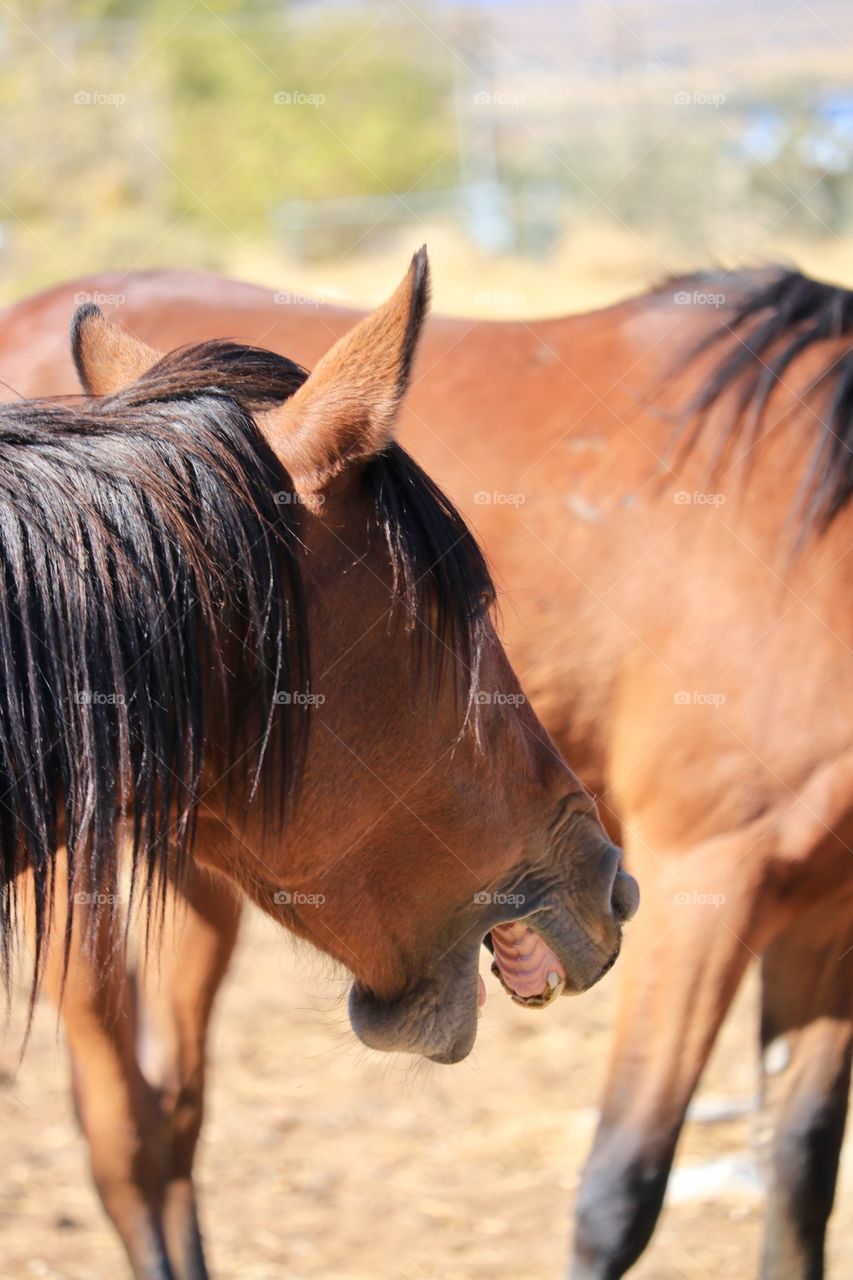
(344, 412)
(107, 357)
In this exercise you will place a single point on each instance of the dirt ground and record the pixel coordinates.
(322, 1159)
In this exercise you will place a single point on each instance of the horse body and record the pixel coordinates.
(553, 441)
(685, 633)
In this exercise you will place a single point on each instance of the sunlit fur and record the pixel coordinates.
(149, 552)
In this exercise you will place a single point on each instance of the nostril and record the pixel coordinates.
(625, 896)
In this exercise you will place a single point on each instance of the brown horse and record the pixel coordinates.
(240, 625)
(664, 488)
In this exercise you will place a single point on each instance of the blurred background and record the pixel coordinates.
(555, 157)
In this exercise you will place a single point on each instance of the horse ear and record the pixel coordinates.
(107, 357)
(344, 412)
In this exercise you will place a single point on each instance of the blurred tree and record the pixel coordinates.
(143, 132)
(171, 136)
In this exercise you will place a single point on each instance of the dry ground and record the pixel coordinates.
(321, 1159)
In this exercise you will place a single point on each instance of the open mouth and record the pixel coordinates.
(554, 948)
(526, 967)
(524, 964)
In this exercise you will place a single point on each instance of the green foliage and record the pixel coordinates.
(187, 144)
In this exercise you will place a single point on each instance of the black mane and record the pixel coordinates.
(149, 576)
(775, 316)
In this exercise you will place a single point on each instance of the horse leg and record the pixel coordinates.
(117, 1110)
(193, 953)
(142, 1139)
(686, 952)
(807, 1046)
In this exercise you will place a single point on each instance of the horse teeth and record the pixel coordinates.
(554, 980)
